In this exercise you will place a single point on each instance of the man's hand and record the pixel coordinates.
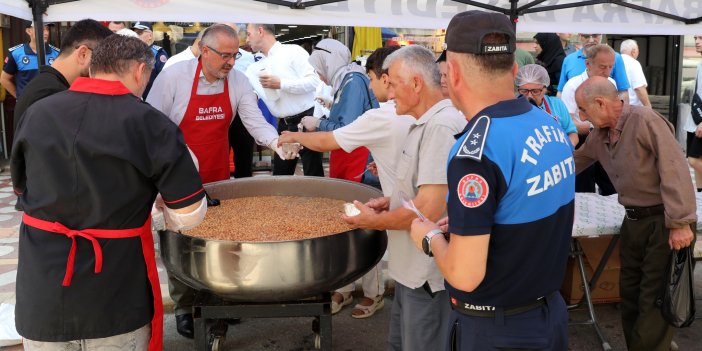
(287, 137)
(373, 168)
(285, 155)
(698, 131)
(310, 123)
(680, 238)
(379, 204)
(420, 229)
(443, 224)
(269, 81)
(366, 219)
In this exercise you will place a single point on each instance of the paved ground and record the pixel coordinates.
(296, 333)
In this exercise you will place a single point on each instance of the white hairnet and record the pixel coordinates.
(532, 73)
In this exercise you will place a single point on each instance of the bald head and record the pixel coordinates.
(598, 102)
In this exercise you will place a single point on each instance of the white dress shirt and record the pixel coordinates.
(171, 93)
(184, 55)
(298, 81)
(568, 94)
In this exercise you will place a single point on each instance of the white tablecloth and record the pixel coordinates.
(602, 215)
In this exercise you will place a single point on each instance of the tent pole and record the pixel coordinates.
(38, 9)
(513, 13)
(676, 63)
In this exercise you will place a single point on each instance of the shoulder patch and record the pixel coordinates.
(472, 190)
(16, 47)
(472, 146)
(163, 58)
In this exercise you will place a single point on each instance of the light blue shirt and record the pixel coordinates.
(351, 101)
(574, 65)
(559, 110)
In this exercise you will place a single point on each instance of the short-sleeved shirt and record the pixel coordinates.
(161, 57)
(351, 100)
(636, 76)
(94, 156)
(48, 82)
(559, 110)
(22, 63)
(574, 64)
(383, 132)
(521, 191)
(421, 161)
(568, 93)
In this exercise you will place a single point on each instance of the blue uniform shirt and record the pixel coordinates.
(351, 100)
(512, 175)
(161, 57)
(574, 65)
(22, 63)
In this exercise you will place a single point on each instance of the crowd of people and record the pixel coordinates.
(489, 144)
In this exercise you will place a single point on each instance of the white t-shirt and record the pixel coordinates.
(690, 125)
(383, 132)
(636, 78)
(568, 93)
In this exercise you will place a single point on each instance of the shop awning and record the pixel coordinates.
(663, 17)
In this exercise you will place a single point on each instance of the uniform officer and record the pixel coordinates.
(510, 201)
(21, 64)
(143, 29)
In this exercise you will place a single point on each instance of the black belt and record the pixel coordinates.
(295, 119)
(636, 213)
(489, 311)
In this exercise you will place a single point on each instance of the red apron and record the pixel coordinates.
(147, 246)
(345, 165)
(205, 126)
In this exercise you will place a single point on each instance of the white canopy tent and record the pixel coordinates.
(661, 17)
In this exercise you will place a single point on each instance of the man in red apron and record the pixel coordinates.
(201, 97)
(87, 164)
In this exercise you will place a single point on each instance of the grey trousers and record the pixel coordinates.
(137, 340)
(418, 321)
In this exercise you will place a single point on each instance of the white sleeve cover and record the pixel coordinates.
(184, 221)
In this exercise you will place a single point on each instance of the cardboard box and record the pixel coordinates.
(607, 287)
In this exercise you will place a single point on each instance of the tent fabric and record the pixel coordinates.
(597, 18)
(365, 41)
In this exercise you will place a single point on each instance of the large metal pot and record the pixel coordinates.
(281, 270)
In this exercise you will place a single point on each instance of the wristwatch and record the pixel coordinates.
(426, 242)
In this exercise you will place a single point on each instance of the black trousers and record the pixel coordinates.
(243, 144)
(311, 160)
(585, 181)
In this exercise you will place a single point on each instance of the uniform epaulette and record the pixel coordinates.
(472, 146)
(156, 47)
(55, 48)
(16, 47)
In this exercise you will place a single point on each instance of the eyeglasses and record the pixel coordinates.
(318, 48)
(588, 36)
(533, 92)
(226, 56)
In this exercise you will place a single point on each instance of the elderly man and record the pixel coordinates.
(201, 97)
(638, 95)
(21, 62)
(421, 303)
(77, 45)
(600, 60)
(532, 82)
(383, 132)
(574, 64)
(286, 82)
(88, 163)
(630, 142)
(510, 204)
